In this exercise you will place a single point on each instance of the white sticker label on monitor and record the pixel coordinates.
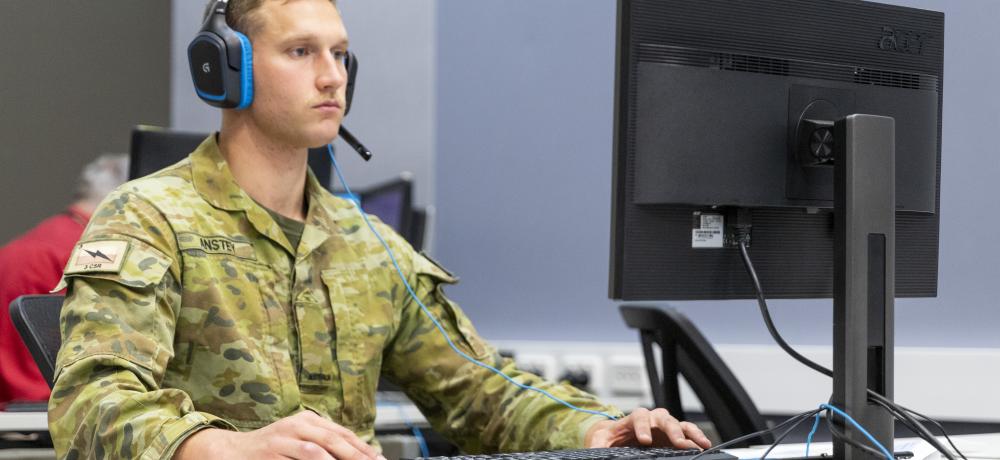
(707, 230)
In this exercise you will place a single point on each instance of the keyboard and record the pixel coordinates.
(609, 453)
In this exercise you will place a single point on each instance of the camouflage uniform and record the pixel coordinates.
(187, 308)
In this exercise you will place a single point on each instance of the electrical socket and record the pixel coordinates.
(591, 365)
(627, 376)
(541, 364)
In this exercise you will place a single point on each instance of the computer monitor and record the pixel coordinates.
(417, 233)
(715, 103)
(154, 148)
(392, 202)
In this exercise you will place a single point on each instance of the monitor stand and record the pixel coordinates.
(864, 277)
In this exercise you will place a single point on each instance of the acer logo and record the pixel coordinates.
(902, 41)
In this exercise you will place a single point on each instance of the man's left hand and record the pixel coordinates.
(643, 427)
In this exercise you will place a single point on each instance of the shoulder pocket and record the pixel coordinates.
(119, 318)
(455, 319)
(423, 264)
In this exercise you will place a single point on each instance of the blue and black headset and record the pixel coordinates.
(221, 62)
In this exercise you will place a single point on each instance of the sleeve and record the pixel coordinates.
(117, 337)
(472, 406)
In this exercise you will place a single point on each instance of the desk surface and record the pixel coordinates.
(974, 446)
(23, 421)
(396, 416)
(388, 417)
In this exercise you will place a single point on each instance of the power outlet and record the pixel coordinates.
(627, 376)
(540, 364)
(587, 367)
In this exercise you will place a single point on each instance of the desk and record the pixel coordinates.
(974, 446)
(395, 416)
(24, 421)
(388, 417)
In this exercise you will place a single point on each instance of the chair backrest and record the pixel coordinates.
(686, 352)
(154, 148)
(36, 318)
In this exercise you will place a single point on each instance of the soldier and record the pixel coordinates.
(229, 307)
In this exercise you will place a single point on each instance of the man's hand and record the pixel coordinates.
(646, 428)
(304, 436)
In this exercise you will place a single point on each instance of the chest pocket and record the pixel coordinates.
(363, 321)
(228, 340)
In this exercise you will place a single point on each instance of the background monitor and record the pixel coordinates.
(392, 202)
(154, 148)
(418, 228)
(710, 98)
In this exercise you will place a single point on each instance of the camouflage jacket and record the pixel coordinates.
(187, 308)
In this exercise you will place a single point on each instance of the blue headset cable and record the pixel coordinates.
(413, 295)
(809, 439)
(417, 434)
(863, 431)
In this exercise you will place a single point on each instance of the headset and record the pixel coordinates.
(221, 63)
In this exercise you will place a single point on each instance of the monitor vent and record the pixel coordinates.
(887, 78)
(733, 62)
(754, 64)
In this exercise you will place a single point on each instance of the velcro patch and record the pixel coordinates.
(216, 245)
(104, 256)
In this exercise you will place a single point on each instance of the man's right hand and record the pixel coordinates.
(304, 436)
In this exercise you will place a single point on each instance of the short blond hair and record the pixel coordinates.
(239, 14)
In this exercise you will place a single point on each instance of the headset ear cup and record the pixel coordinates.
(352, 73)
(221, 62)
(207, 60)
(246, 71)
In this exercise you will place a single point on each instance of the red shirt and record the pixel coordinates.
(31, 264)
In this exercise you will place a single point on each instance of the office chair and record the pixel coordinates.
(36, 318)
(684, 351)
(154, 148)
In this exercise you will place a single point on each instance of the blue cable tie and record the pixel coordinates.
(871, 438)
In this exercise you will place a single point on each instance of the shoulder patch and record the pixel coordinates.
(98, 256)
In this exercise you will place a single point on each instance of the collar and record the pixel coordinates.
(215, 183)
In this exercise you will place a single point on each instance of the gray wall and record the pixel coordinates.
(524, 132)
(393, 109)
(75, 77)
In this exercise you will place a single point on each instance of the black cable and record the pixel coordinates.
(903, 418)
(838, 434)
(767, 316)
(903, 414)
(939, 426)
(911, 423)
(783, 436)
(898, 411)
(794, 419)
